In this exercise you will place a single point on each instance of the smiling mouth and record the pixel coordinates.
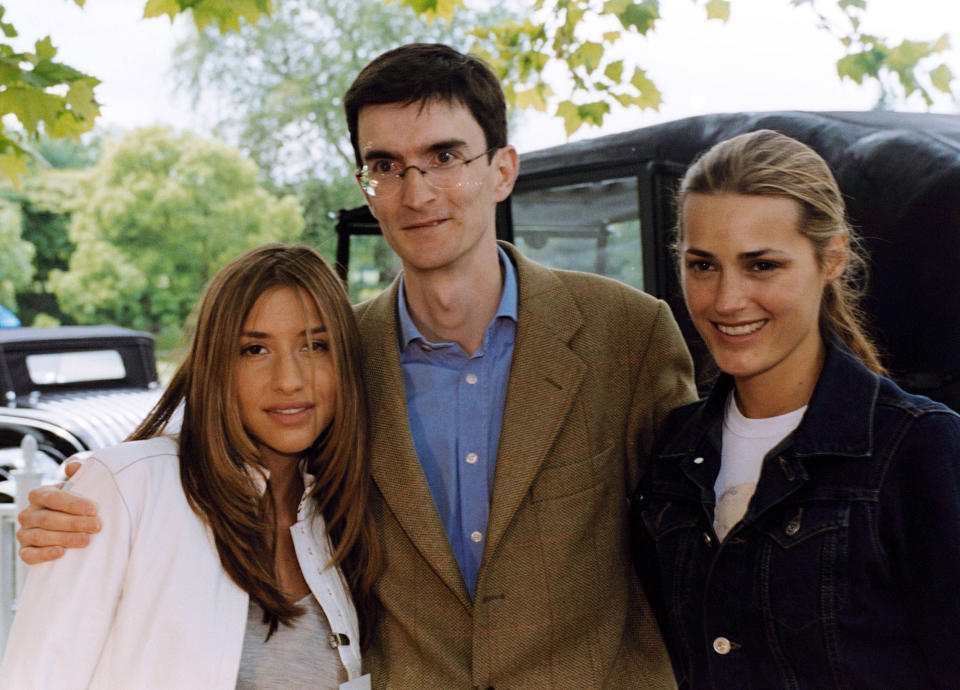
(424, 224)
(290, 415)
(741, 329)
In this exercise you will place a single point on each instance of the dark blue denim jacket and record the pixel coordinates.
(845, 570)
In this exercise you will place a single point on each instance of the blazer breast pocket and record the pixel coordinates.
(553, 482)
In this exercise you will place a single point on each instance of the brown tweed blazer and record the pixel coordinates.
(596, 367)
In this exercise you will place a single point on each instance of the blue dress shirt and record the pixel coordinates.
(455, 411)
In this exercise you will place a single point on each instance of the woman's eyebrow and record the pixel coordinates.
(756, 253)
(316, 330)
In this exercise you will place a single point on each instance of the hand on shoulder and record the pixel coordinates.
(55, 520)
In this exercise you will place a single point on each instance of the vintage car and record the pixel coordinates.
(72, 388)
(606, 205)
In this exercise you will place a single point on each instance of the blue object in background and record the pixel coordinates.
(8, 319)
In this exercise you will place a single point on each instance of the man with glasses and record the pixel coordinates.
(512, 406)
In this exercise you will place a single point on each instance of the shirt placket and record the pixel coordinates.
(473, 402)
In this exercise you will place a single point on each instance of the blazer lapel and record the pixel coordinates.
(393, 459)
(545, 375)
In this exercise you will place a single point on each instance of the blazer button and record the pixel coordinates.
(707, 539)
(721, 645)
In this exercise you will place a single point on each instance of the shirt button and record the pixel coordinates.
(697, 461)
(476, 536)
(721, 645)
(425, 347)
(471, 458)
(471, 379)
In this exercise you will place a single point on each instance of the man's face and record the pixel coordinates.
(431, 228)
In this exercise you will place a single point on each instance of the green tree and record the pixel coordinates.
(16, 259)
(50, 97)
(161, 212)
(46, 198)
(559, 39)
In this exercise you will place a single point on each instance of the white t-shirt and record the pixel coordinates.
(745, 443)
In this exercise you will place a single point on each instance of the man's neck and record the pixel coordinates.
(456, 305)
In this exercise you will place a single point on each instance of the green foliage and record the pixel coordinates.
(224, 14)
(47, 198)
(44, 200)
(900, 70)
(718, 9)
(161, 213)
(42, 95)
(54, 98)
(559, 39)
(561, 42)
(16, 259)
(432, 9)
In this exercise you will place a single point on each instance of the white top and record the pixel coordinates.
(745, 443)
(147, 604)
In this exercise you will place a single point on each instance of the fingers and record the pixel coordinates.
(71, 467)
(34, 555)
(35, 537)
(57, 499)
(42, 520)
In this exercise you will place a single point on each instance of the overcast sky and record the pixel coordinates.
(768, 56)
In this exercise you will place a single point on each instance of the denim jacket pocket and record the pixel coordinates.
(661, 517)
(795, 524)
(802, 579)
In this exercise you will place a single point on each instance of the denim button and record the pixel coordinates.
(787, 471)
(794, 525)
(721, 645)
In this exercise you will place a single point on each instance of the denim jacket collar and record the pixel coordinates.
(838, 420)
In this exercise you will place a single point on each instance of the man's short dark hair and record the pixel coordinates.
(424, 72)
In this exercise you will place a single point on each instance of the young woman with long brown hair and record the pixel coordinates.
(797, 528)
(237, 553)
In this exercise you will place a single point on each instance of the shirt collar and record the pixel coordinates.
(507, 308)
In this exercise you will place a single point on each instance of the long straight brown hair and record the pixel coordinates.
(217, 454)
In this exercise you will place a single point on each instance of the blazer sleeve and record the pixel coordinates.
(920, 532)
(67, 606)
(664, 381)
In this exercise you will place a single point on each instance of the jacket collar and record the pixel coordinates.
(838, 420)
(260, 475)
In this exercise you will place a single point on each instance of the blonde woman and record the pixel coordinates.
(798, 528)
(237, 553)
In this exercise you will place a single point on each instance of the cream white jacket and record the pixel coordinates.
(147, 604)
